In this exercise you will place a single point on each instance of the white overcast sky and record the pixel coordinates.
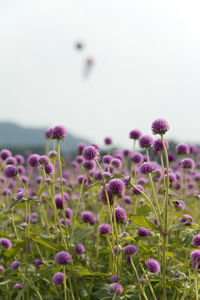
(147, 66)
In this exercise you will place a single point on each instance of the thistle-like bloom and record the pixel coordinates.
(108, 141)
(107, 159)
(103, 195)
(116, 288)
(49, 169)
(6, 243)
(188, 163)
(179, 204)
(10, 171)
(80, 147)
(63, 257)
(79, 249)
(147, 167)
(105, 229)
(48, 133)
(195, 257)
(153, 265)
(115, 278)
(135, 134)
(137, 158)
(18, 286)
(139, 190)
(143, 231)
(33, 160)
(117, 163)
(58, 278)
(88, 217)
(145, 141)
(59, 132)
(182, 149)
(117, 187)
(89, 164)
(68, 213)
(38, 263)
(159, 126)
(130, 250)
(11, 161)
(171, 157)
(90, 153)
(158, 145)
(187, 219)
(44, 160)
(14, 265)
(196, 241)
(5, 153)
(120, 214)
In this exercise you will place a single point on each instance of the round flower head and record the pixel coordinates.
(108, 141)
(142, 181)
(18, 286)
(33, 161)
(115, 278)
(137, 158)
(120, 214)
(2, 268)
(52, 154)
(145, 141)
(187, 219)
(179, 204)
(59, 132)
(48, 133)
(58, 278)
(196, 241)
(182, 149)
(135, 134)
(68, 213)
(89, 164)
(127, 199)
(10, 171)
(88, 217)
(105, 229)
(38, 263)
(49, 169)
(147, 167)
(11, 161)
(126, 152)
(68, 222)
(44, 160)
(79, 249)
(195, 257)
(159, 126)
(59, 202)
(117, 187)
(138, 189)
(188, 163)
(172, 177)
(5, 153)
(63, 257)
(130, 250)
(158, 145)
(80, 179)
(107, 159)
(171, 157)
(90, 153)
(6, 243)
(117, 163)
(116, 288)
(14, 265)
(19, 159)
(143, 231)
(153, 265)
(80, 147)
(103, 195)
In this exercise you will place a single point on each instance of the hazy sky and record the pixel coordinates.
(147, 66)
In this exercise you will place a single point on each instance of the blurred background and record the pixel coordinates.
(98, 67)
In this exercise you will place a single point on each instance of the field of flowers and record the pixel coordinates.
(118, 225)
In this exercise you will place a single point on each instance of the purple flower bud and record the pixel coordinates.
(117, 187)
(153, 265)
(49, 168)
(137, 158)
(195, 257)
(115, 278)
(116, 288)
(58, 278)
(10, 171)
(18, 286)
(80, 148)
(105, 229)
(5, 153)
(33, 160)
(145, 141)
(182, 149)
(135, 134)
(59, 132)
(159, 126)
(120, 214)
(138, 189)
(147, 167)
(188, 163)
(187, 219)
(108, 141)
(79, 249)
(130, 250)
(90, 153)
(6, 243)
(14, 265)
(196, 241)
(143, 231)
(63, 257)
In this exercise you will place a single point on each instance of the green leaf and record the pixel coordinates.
(41, 189)
(49, 271)
(89, 186)
(47, 244)
(5, 282)
(82, 233)
(141, 221)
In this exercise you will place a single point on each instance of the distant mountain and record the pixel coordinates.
(19, 138)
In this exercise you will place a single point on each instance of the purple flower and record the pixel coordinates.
(138, 189)
(158, 145)
(90, 153)
(88, 217)
(127, 199)
(117, 187)
(38, 263)
(6, 243)
(48, 133)
(143, 231)
(63, 257)
(80, 148)
(58, 201)
(105, 229)
(33, 160)
(117, 163)
(44, 160)
(159, 126)
(135, 134)
(80, 179)
(142, 181)
(153, 265)
(130, 250)
(2, 268)
(179, 204)
(171, 157)
(10, 171)
(18, 286)
(195, 257)
(187, 219)
(147, 167)
(137, 158)
(58, 278)
(120, 214)
(196, 241)
(53, 154)
(107, 159)
(89, 164)
(79, 159)
(187, 163)
(68, 222)
(116, 288)
(79, 249)
(115, 278)
(11, 161)
(68, 213)
(103, 195)
(108, 141)
(59, 132)
(145, 141)
(14, 265)
(182, 149)
(5, 153)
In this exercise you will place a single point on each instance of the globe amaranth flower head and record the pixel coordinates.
(158, 145)
(33, 160)
(19, 159)
(58, 278)
(182, 149)
(130, 250)
(196, 241)
(171, 157)
(143, 231)
(59, 202)
(80, 147)
(49, 168)
(48, 133)
(5, 153)
(10, 171)
(108, 141)
(103, 195)
(63, 257)
(90, 153)
(179, 204)
(107, 159)
(68, 213)
(59, 132)
(38, 263)
(115, 278)
(105, 229)
(6, 243)
(135, 134)
(145, 141)
(115, 288)
(147, 167)
(89, 164)
(187, 219)
(188, 163)
(120, 214)
(138, 189)
(88, 217)
(159, 126)
(195, 258)
(117, 163)
(79, 249)
(137, 158)
(117, 187)
(11, 161)
(44, 160)
(153, 265)
(14, 265)
(18, 286)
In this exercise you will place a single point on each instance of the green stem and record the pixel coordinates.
(196, 285)
(14, 226)
(149, 283)
(65, 287)
(185, 190)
